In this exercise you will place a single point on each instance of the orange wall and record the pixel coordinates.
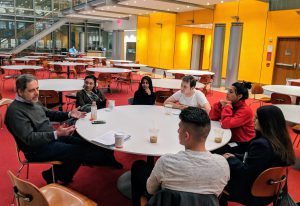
(142, 39)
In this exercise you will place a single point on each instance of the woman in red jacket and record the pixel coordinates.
(233, 113)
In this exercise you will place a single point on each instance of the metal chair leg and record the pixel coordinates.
(53, 174)
(19, 171)
(27, 172)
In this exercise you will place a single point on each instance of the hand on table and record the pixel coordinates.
(75, 113)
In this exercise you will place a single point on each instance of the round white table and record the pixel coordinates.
(116, 61)
(21, 67)
(291, 112)
(61, 85)
(108, 70)
(36, 57)
(131, 120)
(191, 72)
(288, 81)
(95, 57)
(68, 64)
(283, 89)
(79, 59)
(23, 59)
(171, 83)
(40, 53)
(130, 65)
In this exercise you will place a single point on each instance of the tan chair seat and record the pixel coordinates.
(60, 195)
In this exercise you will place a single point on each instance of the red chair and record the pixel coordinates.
(296, 84)
(277, 98)
(206, 80)
(161, 96)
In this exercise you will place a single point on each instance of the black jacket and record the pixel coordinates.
(142, 98)
(82, 99)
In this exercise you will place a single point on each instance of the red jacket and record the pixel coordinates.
(239, 119)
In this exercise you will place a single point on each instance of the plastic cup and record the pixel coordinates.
(119, 139)
(111, 104)
(218, 135)
(153, 132)
(168, 109)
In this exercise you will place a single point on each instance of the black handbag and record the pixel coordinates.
(285, 199)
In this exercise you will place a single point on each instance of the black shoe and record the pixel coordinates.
(47, 175)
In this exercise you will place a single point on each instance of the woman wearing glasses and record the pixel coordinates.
(234, 114)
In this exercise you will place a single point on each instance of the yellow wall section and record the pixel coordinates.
(142, 39)
(154, 39)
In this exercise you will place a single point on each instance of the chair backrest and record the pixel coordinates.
(257, 89)
(269, 182)
(103, 62)
(178, 76)
(28, 71)
(277, 98)
(26, 193)
(167, 197)
(295, 83)
(48, 97)
(205, 79)
(161, 96)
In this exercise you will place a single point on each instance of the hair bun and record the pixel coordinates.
(247, 85)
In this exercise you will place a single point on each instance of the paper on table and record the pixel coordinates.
(107, 139)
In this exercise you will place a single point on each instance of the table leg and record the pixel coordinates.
(60, 101)
(68, 72)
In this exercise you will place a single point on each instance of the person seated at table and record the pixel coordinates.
(90, 93)
(193, 170)
(271, 147)
(188, 96)
(29, 123)
(73, 52)
(144, 95)
(234, 114)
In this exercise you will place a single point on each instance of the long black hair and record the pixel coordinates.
(95, 90)
(242, 88)
(272, 125)
(141, 89)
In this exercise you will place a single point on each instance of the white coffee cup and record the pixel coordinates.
(119, 139)
(111, 104)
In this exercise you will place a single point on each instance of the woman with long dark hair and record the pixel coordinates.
(90, 93)
(234, 114)
(272, 147)
(144, 95)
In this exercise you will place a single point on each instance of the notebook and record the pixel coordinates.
(107, 139)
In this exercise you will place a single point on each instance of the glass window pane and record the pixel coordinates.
(93, 39)
(61, 38)
(7, 7)
(25, 31)
(7, 34)
(27, 4)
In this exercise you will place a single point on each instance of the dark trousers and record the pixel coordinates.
(72, 151)
(239, 149)
(140, 171)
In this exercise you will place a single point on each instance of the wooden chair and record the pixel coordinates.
(49, 98)
(257, 89)
(105, 80)
(80, 69)
(27, 194)
(125, 78)
(23, 161)
(3, 102)
(161, 96)
(29, 71)
(269, 183)
(277, 98)
(103, 62)
(296, 129)
(71, 100)
(5, 77)
(178, 76)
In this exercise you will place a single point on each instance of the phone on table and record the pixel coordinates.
(98, 122)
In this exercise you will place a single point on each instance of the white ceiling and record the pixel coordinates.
(126, 8)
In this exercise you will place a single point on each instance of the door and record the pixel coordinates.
(197, 52)
(287, 61)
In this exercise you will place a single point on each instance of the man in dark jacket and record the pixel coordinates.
(29, 122)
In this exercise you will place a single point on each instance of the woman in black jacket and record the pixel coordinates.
(144, 95)
(271, 147)
(90, 93)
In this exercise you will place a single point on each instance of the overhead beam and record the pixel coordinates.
(187, 4)
(142, 8)
(113, 12)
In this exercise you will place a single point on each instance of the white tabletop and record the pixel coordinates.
(283, 89)
(66, 63)
(61, 85)
(21, 67)
(5, 55)
(131, 65)
(191, 72)
(136, 120)
(120, 61)
(32, 57)
(79, 59)
(108, 70)
(25, 59)
(171, 83)
(95, 57)
(57, 55)
(291, 112)
(39, 53)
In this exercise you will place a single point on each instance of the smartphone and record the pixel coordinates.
(98, 122)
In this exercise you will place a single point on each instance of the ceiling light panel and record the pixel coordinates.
(162, 5)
